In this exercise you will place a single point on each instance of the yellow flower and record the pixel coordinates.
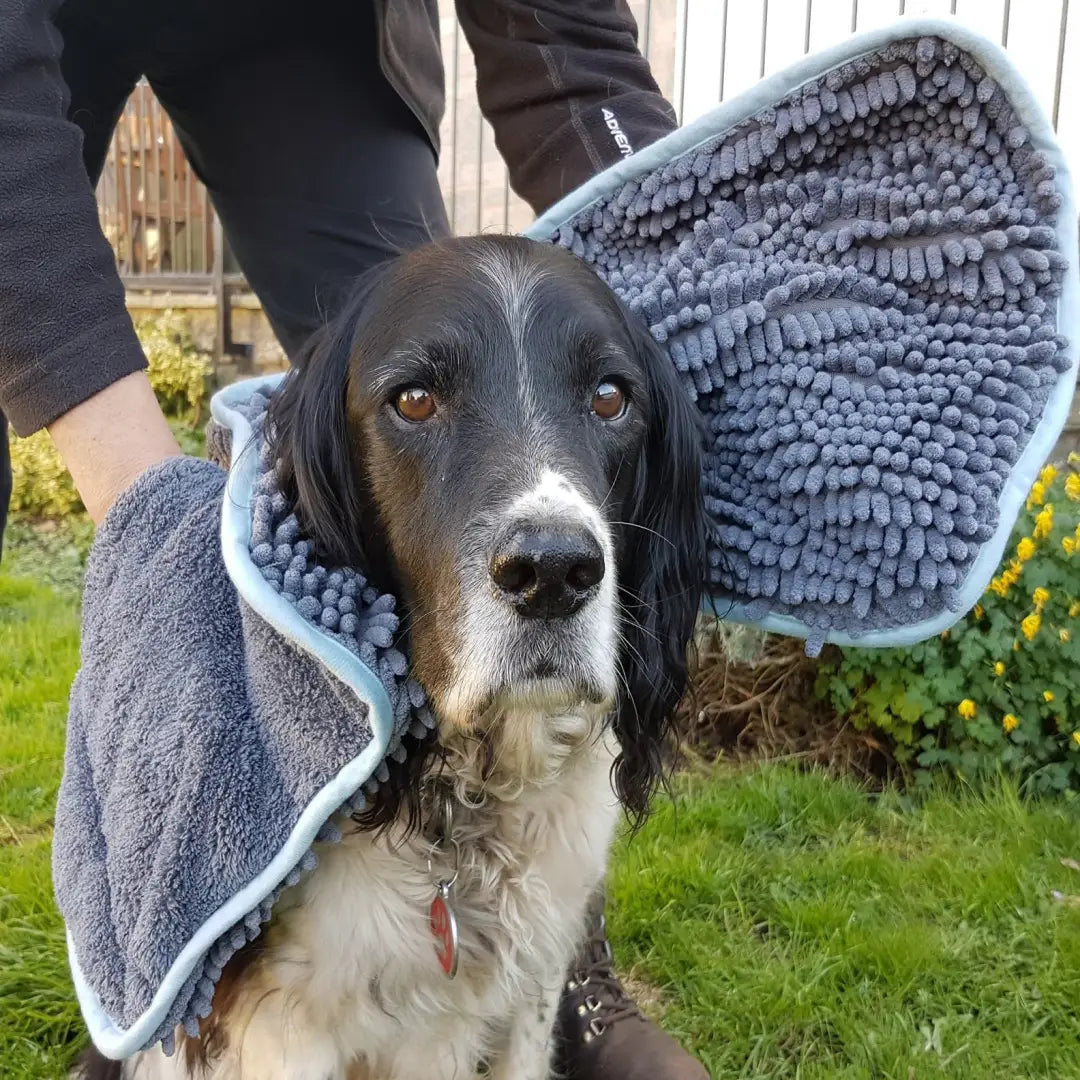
(1036, 496)
(1030, 625)
(999, 586)
(1048, 696)
(999, 669)
(1069, 544)
(1076, 738)
(979, 611)
(967, 709)
(1040, 596)
(1074, 458)
(1044, 523)
(1025, 549)
(944, 635)
(1009, 722)
(1064, 635)
(1074, 610)
(1048, 475)
(1072, 486)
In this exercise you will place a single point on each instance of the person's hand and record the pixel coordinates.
(108, 440)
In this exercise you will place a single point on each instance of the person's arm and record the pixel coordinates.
(565, 88)
(112, 437)
(65, 334)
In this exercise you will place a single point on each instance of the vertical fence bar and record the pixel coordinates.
(723, 47)
(506, 200)
(1005, 24)
(854, 15)
(480, 174)
(208, 222)
(172, 198)
(155, 110)
(454, 128)
(646, 30)
(219, 294)
(129, 161)
(140, 125)
(189, 218)
(114, 153)
(806, 30)
(1060, 61)
(172, 195)
(764, 36)
(684, 24)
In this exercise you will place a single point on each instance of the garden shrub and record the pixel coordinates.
(178, 371)
(180, 375)
(1000, 691)
(42, 486)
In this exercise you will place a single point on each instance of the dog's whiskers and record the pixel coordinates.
(645, 528)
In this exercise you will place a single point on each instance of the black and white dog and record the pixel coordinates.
(497, 440)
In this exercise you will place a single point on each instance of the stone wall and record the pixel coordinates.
(249, 327)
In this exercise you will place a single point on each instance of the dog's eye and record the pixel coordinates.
(415, 405)
(609, 401)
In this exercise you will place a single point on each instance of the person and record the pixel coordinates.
(315, 130)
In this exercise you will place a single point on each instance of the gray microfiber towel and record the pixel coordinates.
(865, 271)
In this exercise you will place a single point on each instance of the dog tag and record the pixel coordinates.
(444, 930)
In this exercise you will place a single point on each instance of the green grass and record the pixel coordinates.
(792, 926)
(796, 927)
(190, 436)
(39, 642)
(49, 553)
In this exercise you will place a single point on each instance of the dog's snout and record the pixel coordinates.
(547, 573)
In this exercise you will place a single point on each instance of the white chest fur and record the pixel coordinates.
(350, 987)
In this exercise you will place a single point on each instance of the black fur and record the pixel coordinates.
(315, 449)
(404, 501)
(662, 574)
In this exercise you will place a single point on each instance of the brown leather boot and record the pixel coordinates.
(601, 1034)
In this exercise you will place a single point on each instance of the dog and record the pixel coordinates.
(496, 439)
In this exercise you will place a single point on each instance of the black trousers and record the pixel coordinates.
(315, 166)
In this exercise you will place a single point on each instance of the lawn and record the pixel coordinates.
(39, 643)
(781, 924)
(797, 928)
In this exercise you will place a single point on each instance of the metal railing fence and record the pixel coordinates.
(161, 223)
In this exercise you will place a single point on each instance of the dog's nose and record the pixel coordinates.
(547, 573)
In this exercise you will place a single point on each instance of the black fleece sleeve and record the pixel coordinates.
(65, 332)
(565, 88)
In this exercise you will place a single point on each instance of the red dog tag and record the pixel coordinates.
(444, 930)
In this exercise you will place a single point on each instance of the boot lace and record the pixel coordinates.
(604, 999)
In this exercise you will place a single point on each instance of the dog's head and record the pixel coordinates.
(490, 435)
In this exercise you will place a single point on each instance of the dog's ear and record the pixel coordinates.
(663, 571)
(308, 434)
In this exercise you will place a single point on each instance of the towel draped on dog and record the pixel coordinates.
(234, 696)
(864, 270)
